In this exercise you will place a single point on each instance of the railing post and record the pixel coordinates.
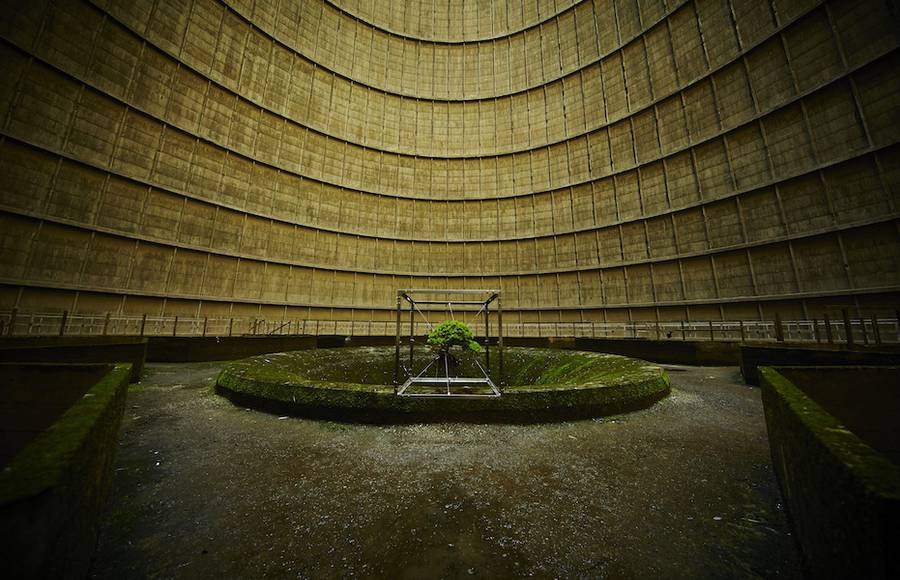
(175, 326)
(106, 324)
(412, 324)
(487, 337)
(741, 322)
(779, 331)
(829, 338)
(875, 329)
(143, 323)
(205, 322)
(683, 331)
(230, 326)
(848, 329)
(62, 322)
(396, 347)
(711, 335)
(862, 327)
(12, 321)
(816, 330)
(500, 339)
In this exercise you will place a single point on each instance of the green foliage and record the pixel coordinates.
(453, 333)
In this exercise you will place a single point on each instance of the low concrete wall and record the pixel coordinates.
(154, 348)
(20, 341)
(705, 353)
(843, 497)
(374, 341)
(688, 352)
(52, 492)
(197, 349)
(77, 350)
(757, 355)
(534, 342)
(210, 348)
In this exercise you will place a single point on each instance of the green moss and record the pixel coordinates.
(543, 381)
(43, 462)
(872, 468)
(842, 495)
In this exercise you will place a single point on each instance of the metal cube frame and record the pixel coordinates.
(470, 299)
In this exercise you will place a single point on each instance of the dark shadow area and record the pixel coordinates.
(34, 396)
(865, 399)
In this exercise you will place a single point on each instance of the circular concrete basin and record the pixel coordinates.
(356, 384)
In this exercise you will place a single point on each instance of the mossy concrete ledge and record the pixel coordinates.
(354, 384)
(54, 487)
(833, 435)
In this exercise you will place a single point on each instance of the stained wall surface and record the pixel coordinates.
(594, 159)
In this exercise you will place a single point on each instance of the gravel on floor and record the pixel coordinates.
(204, 489)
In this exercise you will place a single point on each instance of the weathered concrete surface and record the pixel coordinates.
(834, 440)
(53, 490)
(683, 489)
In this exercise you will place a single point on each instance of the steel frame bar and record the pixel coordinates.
(404, 294)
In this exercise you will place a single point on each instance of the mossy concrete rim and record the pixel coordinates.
(578, 385)
(43, 463)
(878, 474)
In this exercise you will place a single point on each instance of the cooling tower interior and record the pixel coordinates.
(595, 160)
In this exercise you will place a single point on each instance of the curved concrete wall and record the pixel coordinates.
(597, 160)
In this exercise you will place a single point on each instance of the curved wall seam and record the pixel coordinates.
(694, 159)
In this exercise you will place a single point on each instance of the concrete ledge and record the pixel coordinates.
(197, 349)
(53, 491)
(702, 353)
(23, 341)
(77, 350)
(753, 356)
(687, 352)
(843, 496)
(137, 350)
(581, 392)
(210, 348)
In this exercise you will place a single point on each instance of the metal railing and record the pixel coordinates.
(860, 330)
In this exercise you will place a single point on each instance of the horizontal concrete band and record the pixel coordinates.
(641, 204)
(625, 181)
(25, 163)
(361, 54)
(217, 102)
(469, 22)
(380, 310)
(168, 160)
(559, 256)
(730, 84)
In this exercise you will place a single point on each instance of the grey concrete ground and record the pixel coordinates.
(204, 489)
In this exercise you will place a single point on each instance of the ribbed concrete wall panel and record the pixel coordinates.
(606, 160)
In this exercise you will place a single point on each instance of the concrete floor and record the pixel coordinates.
(203, 489)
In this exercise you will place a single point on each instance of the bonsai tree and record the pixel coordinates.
(453, 333)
